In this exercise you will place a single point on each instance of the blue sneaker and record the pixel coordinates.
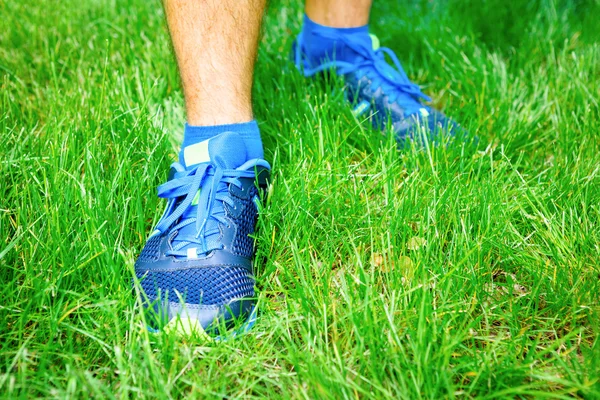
(196, 267)
(380, 92)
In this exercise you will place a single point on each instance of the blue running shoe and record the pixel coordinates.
(196, 267)
(380, 91)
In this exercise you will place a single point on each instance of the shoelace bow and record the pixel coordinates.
(395, 81)
(185, 186)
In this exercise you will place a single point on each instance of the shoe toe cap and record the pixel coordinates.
(209, 296)
(435, 128)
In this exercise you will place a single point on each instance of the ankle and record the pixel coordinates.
(204, 110)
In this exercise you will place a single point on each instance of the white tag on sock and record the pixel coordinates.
(196, 154)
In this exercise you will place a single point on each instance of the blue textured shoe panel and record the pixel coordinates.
(381, 92)
(197, 263)
(205, 285)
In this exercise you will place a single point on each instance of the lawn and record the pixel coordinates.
(440, 272)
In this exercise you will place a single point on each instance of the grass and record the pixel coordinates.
(440, 273)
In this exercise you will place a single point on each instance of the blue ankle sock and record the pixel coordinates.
(321, 43)
(247, 130)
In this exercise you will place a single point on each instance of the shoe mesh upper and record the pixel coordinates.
(206, 286)
(151, 251)
(243, 245)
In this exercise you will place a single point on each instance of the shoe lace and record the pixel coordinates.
(392, 78)
(210, 184)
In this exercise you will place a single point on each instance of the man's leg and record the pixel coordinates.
(196, 267)
(215, 43)
(336, 36)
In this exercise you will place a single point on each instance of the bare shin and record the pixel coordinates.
(215, 43)
(339, 13)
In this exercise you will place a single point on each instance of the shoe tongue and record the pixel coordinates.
(226, 150)
(348, 54)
